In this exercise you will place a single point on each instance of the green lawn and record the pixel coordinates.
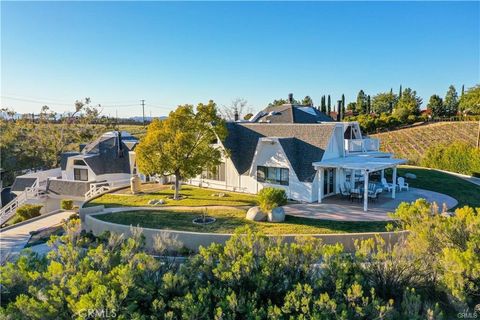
(230, 219)
(195, 197)
(466, 193)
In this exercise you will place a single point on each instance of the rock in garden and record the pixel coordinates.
(276, 215)
(161, 201)
(152, 202)
(222, 195)
(255, 214)
(410, 176)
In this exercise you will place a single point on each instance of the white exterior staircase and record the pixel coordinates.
(30, 193)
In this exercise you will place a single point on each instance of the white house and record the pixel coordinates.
(293, 148)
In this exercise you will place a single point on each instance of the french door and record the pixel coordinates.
(328, 181)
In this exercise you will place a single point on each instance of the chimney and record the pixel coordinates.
(290, 98)
(235, 116)
(119, 144)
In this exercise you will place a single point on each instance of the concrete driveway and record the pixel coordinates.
(13, 240)
(342, 209)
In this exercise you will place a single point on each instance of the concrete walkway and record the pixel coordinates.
(342, 209)
(14, 239)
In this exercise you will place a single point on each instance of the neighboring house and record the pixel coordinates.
(107, 162)
(311, 160)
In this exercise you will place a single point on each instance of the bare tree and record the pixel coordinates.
(238, 106)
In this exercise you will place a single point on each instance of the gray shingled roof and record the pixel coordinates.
(302, 143)
(288, 113)
(21, 183)
(102, 155)
(68, 188)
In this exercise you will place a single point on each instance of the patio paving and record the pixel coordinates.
(342, 209)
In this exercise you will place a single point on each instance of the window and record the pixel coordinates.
(218, 174)
(80, 174)
(272, 175)
(79, 163)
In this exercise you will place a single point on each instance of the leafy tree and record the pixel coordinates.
(408, 105)
(470, 101)
(436, 105)
(279, 102)
(361, 105)
(451, 101)
(181, 145)
(383, 102)
(307, 101)
(248, 116)
(238, 107)
(351, 106)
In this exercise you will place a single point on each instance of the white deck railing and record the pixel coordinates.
(361, 145)
(101, 187)
(9, 210)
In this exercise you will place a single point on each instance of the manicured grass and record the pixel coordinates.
(230, 219)
(466, 193)
(195, 197)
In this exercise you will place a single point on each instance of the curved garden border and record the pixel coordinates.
(193, 240)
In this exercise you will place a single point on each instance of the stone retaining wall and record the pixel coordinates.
(193, 240)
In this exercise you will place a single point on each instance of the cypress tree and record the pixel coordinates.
(368, 104)
(400, 92)
(329, 103)
(343, 106)
(463, 89)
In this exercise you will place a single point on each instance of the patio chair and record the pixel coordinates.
(402, 184)
(348, 186)
(386, 186)
(344, 192)
(356, 194)
(374, 195)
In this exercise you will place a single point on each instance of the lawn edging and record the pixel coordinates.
(193, 240)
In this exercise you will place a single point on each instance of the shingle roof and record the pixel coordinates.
(68, 188)
(302, 143)
(288, 113)
(21, 183)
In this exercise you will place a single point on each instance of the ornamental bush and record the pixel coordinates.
(27, 211)
(66, 204)
(270, 198)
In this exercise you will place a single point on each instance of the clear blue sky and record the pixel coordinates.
(174, 53)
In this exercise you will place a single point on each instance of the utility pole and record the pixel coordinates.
(143, 112)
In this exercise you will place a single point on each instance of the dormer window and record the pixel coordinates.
(79, 162)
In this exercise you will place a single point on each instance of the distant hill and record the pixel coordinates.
(411, 143)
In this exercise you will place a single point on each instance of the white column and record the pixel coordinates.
(365, 191)
(320, 184)
(394, 182)
(383, 173)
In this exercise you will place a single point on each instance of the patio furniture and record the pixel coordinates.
(356, 194)
(374, 195)
(402, 184)
(344, 192)
(387, 186)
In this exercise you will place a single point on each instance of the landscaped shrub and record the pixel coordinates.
(27, 211)
(270, 198)
(66, 204)
(456, 157)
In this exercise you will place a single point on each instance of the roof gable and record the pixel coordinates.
(303, 144)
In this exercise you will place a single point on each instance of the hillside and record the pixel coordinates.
(411, 143)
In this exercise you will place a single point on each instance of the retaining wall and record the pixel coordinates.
(193, 240)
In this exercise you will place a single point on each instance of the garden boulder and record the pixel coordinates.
(255, 214)
(276, 215)
(410, 176)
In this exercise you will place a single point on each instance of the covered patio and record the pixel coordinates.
(342, 209)
(346, 169)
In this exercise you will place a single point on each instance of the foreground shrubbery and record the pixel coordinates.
(456, 157)
(432, 275)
